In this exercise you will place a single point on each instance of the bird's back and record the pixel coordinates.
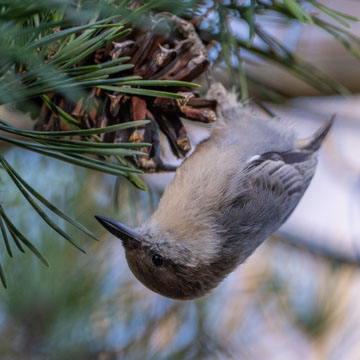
(238, 186)
(239, 125)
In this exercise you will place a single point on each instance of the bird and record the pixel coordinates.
(236, 189)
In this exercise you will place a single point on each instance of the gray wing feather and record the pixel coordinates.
(272, 186)
(281, 179)
(286, 174)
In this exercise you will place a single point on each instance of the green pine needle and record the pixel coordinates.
(2, 277)
(143, 92)
(15, 178)
(5, 238)
(16, 233)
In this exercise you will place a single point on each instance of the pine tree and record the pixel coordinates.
(102, 80)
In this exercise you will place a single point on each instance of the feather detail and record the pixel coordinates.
(314, 142)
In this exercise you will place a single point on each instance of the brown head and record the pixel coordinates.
(163, 266)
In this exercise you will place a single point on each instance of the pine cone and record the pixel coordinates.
(169, 49)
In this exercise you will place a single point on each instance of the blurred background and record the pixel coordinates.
(297, 297)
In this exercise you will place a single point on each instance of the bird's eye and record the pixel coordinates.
(157, 260)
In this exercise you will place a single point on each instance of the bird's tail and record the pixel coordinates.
(314, 142)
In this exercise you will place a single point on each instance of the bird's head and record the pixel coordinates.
(162, 265)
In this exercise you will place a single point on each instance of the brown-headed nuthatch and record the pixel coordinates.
(235, 190)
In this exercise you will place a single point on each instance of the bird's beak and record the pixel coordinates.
(128, 236)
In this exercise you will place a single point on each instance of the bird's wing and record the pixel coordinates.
(272, 185)
(286, 173)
